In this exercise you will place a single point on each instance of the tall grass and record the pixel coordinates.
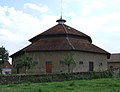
(95, 85)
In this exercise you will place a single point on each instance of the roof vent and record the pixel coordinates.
(61, 21)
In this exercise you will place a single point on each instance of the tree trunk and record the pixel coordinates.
(68, 68)
(0, 70)
(25, 69)
(18, 70)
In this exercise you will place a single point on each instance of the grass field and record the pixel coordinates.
(96, 85)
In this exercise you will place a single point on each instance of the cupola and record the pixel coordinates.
(61, 21)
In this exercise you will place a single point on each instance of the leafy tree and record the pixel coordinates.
(18, 64)
(4, 56)
(26, 62)
(68, 61)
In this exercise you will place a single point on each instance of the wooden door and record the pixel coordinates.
(91, 66)
(48, 67)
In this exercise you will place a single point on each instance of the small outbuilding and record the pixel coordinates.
(114, 61)
(6, 68)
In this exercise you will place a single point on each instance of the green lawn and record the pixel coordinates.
(96, 85)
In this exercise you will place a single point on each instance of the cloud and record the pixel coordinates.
(99, 4)
(72, 0)
(71, 14)
(104, 29)
(41, 8)
(17, 27)
(87, 9)
(108, 22)
(6, 34)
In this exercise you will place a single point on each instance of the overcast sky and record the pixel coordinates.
(21, 20)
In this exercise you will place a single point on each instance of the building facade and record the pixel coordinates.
(114, 61)
(6, 68)
(50, 48)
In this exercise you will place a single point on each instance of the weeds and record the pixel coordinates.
(115, 90)
(40, 90)
(105, 85)
(72, 83)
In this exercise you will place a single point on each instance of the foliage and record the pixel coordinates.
(72, 83)
(4, 56)
(69, 61)
(18, 64)
(25, 61)
(96, 85)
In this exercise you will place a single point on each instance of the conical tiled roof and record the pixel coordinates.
(61, 30)
(62, 38)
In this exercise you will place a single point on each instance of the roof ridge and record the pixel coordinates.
(67, 37)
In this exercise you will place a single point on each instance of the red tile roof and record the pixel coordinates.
(62, 38)
(6, 65)
(60, 29)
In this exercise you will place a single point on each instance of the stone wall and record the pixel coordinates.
(8, 79)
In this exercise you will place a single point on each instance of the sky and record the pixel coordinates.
(21, 20)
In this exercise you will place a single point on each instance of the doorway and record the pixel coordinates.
(91, 66)
(48, 67)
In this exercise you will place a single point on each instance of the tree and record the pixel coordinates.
(18, 65)
(4, 56)
(68, 61)
(27, 62)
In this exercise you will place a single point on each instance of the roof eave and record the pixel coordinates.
(21, 52)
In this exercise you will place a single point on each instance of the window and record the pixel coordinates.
(100, 64)
(35, 62)
(48, 62)
(14, 65)
(61, 63)
(111, 66)
(80, 62)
